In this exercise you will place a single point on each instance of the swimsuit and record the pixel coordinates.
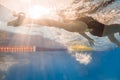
(97, 27)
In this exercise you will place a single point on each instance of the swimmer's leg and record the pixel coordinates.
(114, 40)
(90, 40)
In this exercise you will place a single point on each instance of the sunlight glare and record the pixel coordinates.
(38, 11)
(26, 1)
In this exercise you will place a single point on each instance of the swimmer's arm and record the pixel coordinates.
(86, 36)
(91, 41)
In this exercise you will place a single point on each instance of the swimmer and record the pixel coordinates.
(80, 25)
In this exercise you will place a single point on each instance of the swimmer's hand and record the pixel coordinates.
(91, 42)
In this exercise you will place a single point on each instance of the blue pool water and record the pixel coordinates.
(60, 65)
(56, 65)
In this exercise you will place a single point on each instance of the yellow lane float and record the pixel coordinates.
(80, 48)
